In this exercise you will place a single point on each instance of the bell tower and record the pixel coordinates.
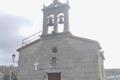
(55, 15)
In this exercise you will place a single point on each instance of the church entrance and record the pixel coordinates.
(54, 76)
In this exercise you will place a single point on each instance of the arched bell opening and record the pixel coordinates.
(50, 24)
(50, 20)
(60, 22)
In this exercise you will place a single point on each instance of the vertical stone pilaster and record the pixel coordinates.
(45, 27)
(55, 23)
(66, 21)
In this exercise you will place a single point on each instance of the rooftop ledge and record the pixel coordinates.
(37, 37)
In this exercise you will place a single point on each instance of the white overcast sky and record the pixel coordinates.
(95, 19)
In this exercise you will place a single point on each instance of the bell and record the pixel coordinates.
(61, 19)
(50, 23)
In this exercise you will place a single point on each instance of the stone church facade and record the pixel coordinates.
(60, 55)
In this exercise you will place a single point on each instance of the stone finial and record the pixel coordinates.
(67, 1)
(55, 1)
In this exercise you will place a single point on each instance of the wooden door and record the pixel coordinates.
(54, 76)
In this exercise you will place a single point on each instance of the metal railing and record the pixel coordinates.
(31, 38)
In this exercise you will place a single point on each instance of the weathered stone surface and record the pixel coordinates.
(77, 58)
